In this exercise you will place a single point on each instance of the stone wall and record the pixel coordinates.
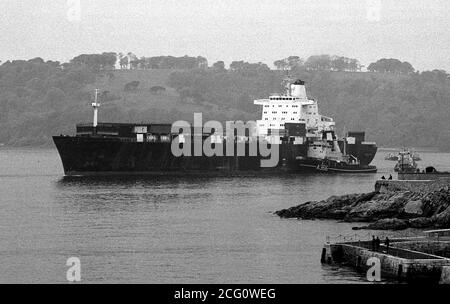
(358, 257)
(396, 267)
(424, 176)
(441, 248)
(410, 185)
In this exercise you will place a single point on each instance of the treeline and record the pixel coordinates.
(391, 66)
(109, 61)
(319, 63)
(131, 61)
(343, 64)
(97, 62)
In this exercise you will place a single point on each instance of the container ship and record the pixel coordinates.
(305, 141)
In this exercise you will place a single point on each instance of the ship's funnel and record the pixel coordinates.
(298, 89)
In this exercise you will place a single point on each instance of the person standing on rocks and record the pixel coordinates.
(373, 243)
(377, 244)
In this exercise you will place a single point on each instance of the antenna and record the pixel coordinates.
(95, 105)
(345, 142)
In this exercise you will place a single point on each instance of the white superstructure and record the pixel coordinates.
(292, 107)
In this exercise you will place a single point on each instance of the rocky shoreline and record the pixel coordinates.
(387, 208)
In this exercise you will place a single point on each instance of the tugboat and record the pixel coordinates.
(325, 155)
(405, 162)
(290, 123)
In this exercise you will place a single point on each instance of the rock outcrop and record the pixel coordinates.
(391, 210)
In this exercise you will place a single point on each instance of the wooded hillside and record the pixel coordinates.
(40, 98)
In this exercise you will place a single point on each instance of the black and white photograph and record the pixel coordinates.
(229, 148)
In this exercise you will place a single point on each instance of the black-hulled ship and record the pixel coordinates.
(305, 141)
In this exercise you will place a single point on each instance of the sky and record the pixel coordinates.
(416, 31)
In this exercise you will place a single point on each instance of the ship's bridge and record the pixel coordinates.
(284, 99)
(292, 107)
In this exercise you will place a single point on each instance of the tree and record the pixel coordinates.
(108, 60)
(340, 63)
(96, 62)
(219, 66)
(294, 62)
(37, 60)
(237, 65)
(289, 63)
(248, 69)
(439, 76)
(391, 66)
(354, 65)
(318, 63)
(202, 62)
(406, 68)
(280, 64)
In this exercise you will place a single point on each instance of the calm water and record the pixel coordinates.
(167, 230)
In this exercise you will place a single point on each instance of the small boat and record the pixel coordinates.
(395, 157)
(405, 162)
(416, 156)
(391, 156)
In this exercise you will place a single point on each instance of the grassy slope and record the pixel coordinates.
(142, 101)
(145, 103)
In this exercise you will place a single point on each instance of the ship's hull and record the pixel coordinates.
(365, 152)
(112, 156)
(320, 165)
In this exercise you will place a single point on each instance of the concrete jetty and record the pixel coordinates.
(421, 258)
(424, 176)
(384, 186)
(407, 259)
